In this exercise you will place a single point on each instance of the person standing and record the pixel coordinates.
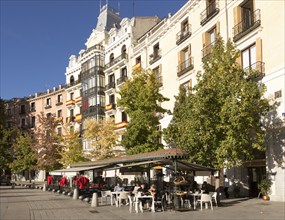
(226, 186)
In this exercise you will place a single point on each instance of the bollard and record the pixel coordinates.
(94, 202)
(44, 187)
(33, 185)
(13, 186)
(75, 194)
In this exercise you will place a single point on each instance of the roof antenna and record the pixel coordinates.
(100, 5)
(119, 7)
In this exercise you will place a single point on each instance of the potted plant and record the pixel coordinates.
(264, 187)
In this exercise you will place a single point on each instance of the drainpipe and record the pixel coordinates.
(227, 18)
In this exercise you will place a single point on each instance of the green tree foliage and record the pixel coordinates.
(72, 151)
(5, 140)
(101, 135)
(218, 123)
(47, 143)
(24, 154)
(140, 98)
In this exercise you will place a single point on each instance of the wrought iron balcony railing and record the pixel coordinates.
(185, 66)
(207, 50)
(116, 60)
(111, 85)
(155, 56)
(246, 25)
(209, 12)
(258, 68)
(183, 34)
(121, 80)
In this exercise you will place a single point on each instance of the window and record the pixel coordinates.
(246, 19)
(278, 94)
(188, 86)
(111, 57)
(59, 98)
(59, 131)
(72, 80)
(71, 96)
(48, 115)
(185, 61)
(209, 39)
(124, 50)
(9, 112)
(112, 99)
(23, 123)
(249, 56)
(210, 11)
(138, 60)
(59, 113)
(33, 121)
(124, 117)
(48, 102)
(22, 109)
(33, 107)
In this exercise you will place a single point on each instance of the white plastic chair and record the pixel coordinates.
(214, 197)
(123, 196)
(133, 203)
(205, 198)
(105, 195)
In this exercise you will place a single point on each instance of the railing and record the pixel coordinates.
(59, 103)
(94, 110)
(72, 83)
(121, 80)
(185, 66)
(246, 25)
(258, 67)
(121, 124)
(111, 85)
(118, 59)
(48, 106)
(22, 112)
(155, 56)
(183, 34)
(209, 12)
(70, 102)
(33, 109)
(207, 50)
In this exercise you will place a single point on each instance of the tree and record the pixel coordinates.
(140, 98)
(219, 121)
(47, 143)
(102, 137)
(5, 140)
(24, 154)
(72, 151)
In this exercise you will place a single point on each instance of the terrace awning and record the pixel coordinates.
(73, 170)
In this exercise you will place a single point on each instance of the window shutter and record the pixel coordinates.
(217, 28)
(237, 15)
(258, 44)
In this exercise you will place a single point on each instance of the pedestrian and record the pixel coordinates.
(226, 186)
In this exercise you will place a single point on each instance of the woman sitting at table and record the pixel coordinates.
(143, 191)
(118, 188)
(153, 191)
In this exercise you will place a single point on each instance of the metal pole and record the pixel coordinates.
(175, 202)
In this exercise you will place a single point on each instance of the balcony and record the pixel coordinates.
(258, 70)
(122, 124)
(78, 99)
(111, 85)
(78, 118)
(155, 56)
(123, 56)
(70, 119)
(59, 119)
(246, 25)
(48, 106)
(121, 80)
(59, 103)
(185, 66)
(183, 34)
(110, 109)
(209, 13)
(70, 103)
(93, 110)
(33, 109)
(110, 106)
(22, 112)
(207, 50)
(68, 85)
(137, 66)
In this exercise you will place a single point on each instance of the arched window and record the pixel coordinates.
(71, 80)
(124, 50)
(111, 57)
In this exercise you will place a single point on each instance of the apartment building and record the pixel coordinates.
(175, 48)
(73, 94)
(118, 48)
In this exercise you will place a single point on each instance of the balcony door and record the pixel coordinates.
(249, 57)
(247, 15)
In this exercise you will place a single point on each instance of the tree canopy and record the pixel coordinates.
(219, 121)
(141, 99)
(72, 152)
(101, 135)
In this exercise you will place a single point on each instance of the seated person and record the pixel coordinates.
(153, 191)
(118, 188)
(135, 191)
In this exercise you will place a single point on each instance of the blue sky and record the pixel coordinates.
(38, 37)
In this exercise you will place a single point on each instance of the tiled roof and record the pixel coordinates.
(160, 154)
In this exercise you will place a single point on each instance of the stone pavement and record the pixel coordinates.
(25, 203)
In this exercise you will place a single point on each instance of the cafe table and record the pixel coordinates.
(139, 202)
(115, 194)
(195, 196)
